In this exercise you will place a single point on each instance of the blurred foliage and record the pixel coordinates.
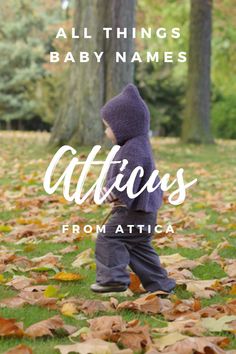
(164, 97)
(22, 56)
(163, 86)
(31, 89)
(224, 117)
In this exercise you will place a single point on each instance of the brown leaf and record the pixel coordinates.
(12, 302)
(201, 345)
(91, 306)
(168, 340)
(135, 284)
(32, 297)
(38, 298)
(186, 326)
(23, 231)
(147, 304)
(179, 274)
(217, 310)
(201, 288)
(19, 282)
(71, 248)
(45, 327)
(20, 349)
(181, 308)
(171, 259)
(92, 346)
(48, 258)
(9, 327)
(136, 338)
(113, 328)
(230, 269)
(184, 264)
(107, 327)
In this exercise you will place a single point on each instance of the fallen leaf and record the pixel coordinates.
(135, 284)
(147, 304)
(84, 259)
(171, 259)
(20, 349)
(63, 276)
(9, 327)
(69, 249)
(48, 259)
(201, 288)
(45, 327)
(93, 346)
(231, 269)
(113, 323)
(136, 338)
(217, 310)
(19, 282)
(218, 325)
(201, 345)
(91, 306)
(186, 326)
(12, 302)
(169, 339)
(69, 309)
(51, 291)
(181, 309)
(233, 290)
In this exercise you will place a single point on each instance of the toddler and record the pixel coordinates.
(127, 121)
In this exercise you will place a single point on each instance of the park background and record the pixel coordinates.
(45, 276)
(35, 94)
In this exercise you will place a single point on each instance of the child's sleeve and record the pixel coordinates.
(111, 197)
(133, 162)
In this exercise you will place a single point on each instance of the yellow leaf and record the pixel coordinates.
(5, 228)
(69, 309)
(233, 290)
(2, 279)
(51, 291)
(29, 247)
(67, 276)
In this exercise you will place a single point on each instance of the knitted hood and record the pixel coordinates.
(129, 118)
(127, 114)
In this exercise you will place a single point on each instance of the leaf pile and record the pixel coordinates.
(45, 301)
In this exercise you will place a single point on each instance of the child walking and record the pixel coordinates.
(127, 121)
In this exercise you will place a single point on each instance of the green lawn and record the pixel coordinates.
(208, 210)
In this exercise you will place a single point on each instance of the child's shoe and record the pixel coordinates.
(107, 288)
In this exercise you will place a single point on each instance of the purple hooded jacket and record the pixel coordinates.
(129, 118)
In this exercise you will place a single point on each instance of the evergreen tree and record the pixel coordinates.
(21, 64)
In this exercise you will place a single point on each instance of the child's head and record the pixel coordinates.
(109, 133)
(126, 115)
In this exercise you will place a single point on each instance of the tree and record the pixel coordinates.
(91, 84)
(21, 64)
(196, 123)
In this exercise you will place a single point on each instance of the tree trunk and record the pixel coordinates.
(20, 125)
(196, 124)
(91, 84)
(8, 125)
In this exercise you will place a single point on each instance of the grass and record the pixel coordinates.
(24, 161)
